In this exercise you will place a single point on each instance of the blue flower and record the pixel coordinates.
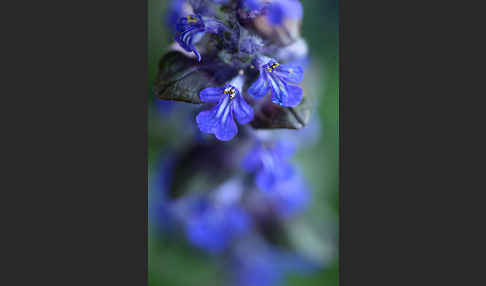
(212, 225)
(276, 77)
(219, 120)
(192, 27)
(279, 11)
(276, 12)
(258, 270)
(271, 164)
(290, 196)
(258, 264)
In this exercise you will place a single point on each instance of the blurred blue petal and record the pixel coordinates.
(281, 10)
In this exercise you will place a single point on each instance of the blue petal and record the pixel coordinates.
(211, 94)
(186, 40)
(278, 88)
(294, 95)
(243, 112)
(276, 14)
(218, 120)
(260, 87)
(227, 129)
(292, 73)
(190, 29)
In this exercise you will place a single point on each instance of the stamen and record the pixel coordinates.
(230, 91)
(272, 67)
(191, 19)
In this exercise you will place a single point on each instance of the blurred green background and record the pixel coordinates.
(173, 264)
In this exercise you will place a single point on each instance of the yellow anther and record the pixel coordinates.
(230, 91)
(291, 70)
(272, 67)
(191, 19)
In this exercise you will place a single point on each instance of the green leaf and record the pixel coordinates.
(181, 78)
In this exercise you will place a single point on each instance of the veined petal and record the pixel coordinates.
(218, 120)
(227, 128)
(292, 73)
(259, 88)
(283, 93)
(208, 120)
(189, 30)
(186, 40)
(294, 95)
(211, 94)
(242, 110)
(278, 88)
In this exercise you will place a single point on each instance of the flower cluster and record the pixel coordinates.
(238, 42)
(234, 199)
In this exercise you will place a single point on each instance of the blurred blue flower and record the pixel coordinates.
(276, 11)
(257, 264)
(212, 228)
(295, 53)
(275, 77)
(253, 5)
(191, 28)
(257, 270)
(270, 162)
(290, 196)
(174, 12)
(279, 11)
(219, 120)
